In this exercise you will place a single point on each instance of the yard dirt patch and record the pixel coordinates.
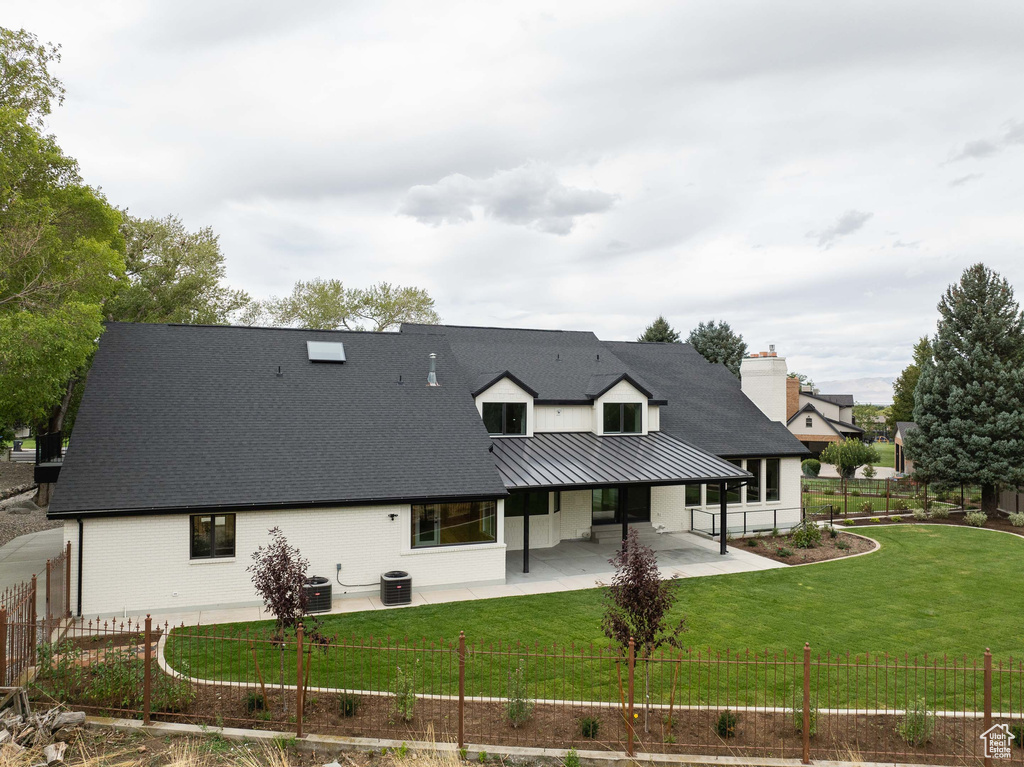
(20, 518)
(14, 476)
(828, 548)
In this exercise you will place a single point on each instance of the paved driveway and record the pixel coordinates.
(26, 556)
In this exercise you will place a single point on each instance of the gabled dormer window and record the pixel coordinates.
(505, 418)
(623, 418)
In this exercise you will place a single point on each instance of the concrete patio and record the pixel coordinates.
(569, 566)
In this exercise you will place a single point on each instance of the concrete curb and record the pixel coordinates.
(551, 756)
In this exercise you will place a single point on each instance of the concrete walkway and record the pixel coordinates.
(569, 566)
(26, 556)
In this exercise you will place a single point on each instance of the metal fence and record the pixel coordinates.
(676, 700)
(21, 629)
(822, 496)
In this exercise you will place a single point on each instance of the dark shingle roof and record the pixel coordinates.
(191, 416)
(559, 459)
(842, 400)
(902, 427)
(705, 404)
(562, 366)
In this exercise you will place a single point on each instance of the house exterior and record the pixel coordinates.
(903, 465)
(817, 419)
(434, 450)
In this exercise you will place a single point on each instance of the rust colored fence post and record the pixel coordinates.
(49, 609)
(147, 679)
(806, 729)
(462, 689)
(299, 692)
(32, 623)
(988, 698)
(630, 748)
(3, 646)
(67, 580)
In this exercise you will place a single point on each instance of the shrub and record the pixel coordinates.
(866, 507)
(917, 724)
(518, 706)
(876, 520)
(828, 491)
(572, 759)
(847, 522)
(900, 504)
(117, 681)
(976, 518)
(348, 705)
(784, 552)
(590, 726)
(855, 493)
(939, 511)
(811, 467)
(752, 543)
(279, 577)
(798, 718)
(726, 726)
(919, 514)
(832, 532)
(1017, 730)
(806, 536)
(775, 532)
(403, 695)
(173, 696)
(254, 702)
(1017, 520)
(842, 545)
(869, 471)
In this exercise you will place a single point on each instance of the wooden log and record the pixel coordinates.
(68, 719)
(54, 753)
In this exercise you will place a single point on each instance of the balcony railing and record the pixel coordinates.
(743, 522)
(50, 448)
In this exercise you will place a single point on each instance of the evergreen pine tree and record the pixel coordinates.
(716, 342)
(660, 331)
(969, 400)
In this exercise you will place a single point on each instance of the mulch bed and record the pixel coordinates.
(769, 547)
(757, 733)
(995, 522)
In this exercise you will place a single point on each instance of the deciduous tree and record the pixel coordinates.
(326, 304)
(969, 399)
(849, 455)
(279, 576)
(25, 79)
(660, 331)
(716, 342)
(172, 275)
(638, 602)
(902, 408)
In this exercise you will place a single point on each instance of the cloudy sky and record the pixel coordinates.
(813, 172)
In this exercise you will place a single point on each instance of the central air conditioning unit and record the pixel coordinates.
(395, 588)
(318, 594)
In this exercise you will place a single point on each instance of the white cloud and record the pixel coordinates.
(530, 195)
(1012, 133)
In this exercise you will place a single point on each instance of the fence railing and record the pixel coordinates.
(21, 629)
(872, 497)
(675, 700)
(744, 522)
(50, 447)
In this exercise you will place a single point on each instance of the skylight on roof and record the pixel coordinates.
(325, 351)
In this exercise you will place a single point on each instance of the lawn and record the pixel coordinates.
(930, 590)
(886, 454)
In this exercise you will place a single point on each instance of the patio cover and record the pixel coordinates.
(566, 460)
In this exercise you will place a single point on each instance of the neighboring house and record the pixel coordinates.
(193, 441)
(817, 419)
(903, 464)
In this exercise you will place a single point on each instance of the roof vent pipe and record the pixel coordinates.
(432, 375)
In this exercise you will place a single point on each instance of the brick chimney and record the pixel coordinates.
(764, 379)
(792, 397)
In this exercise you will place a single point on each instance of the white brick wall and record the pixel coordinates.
(763, 380)
(577, 506)
(141, 563)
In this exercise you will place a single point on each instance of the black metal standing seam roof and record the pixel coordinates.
(564, 459)
(180, 417)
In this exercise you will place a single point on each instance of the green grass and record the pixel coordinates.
(886, 454)
(930, 590)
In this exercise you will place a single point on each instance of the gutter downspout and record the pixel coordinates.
(81, 535)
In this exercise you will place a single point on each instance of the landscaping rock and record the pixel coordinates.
(22, 506)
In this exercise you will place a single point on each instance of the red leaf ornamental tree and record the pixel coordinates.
(638, 603)
(279, 575)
